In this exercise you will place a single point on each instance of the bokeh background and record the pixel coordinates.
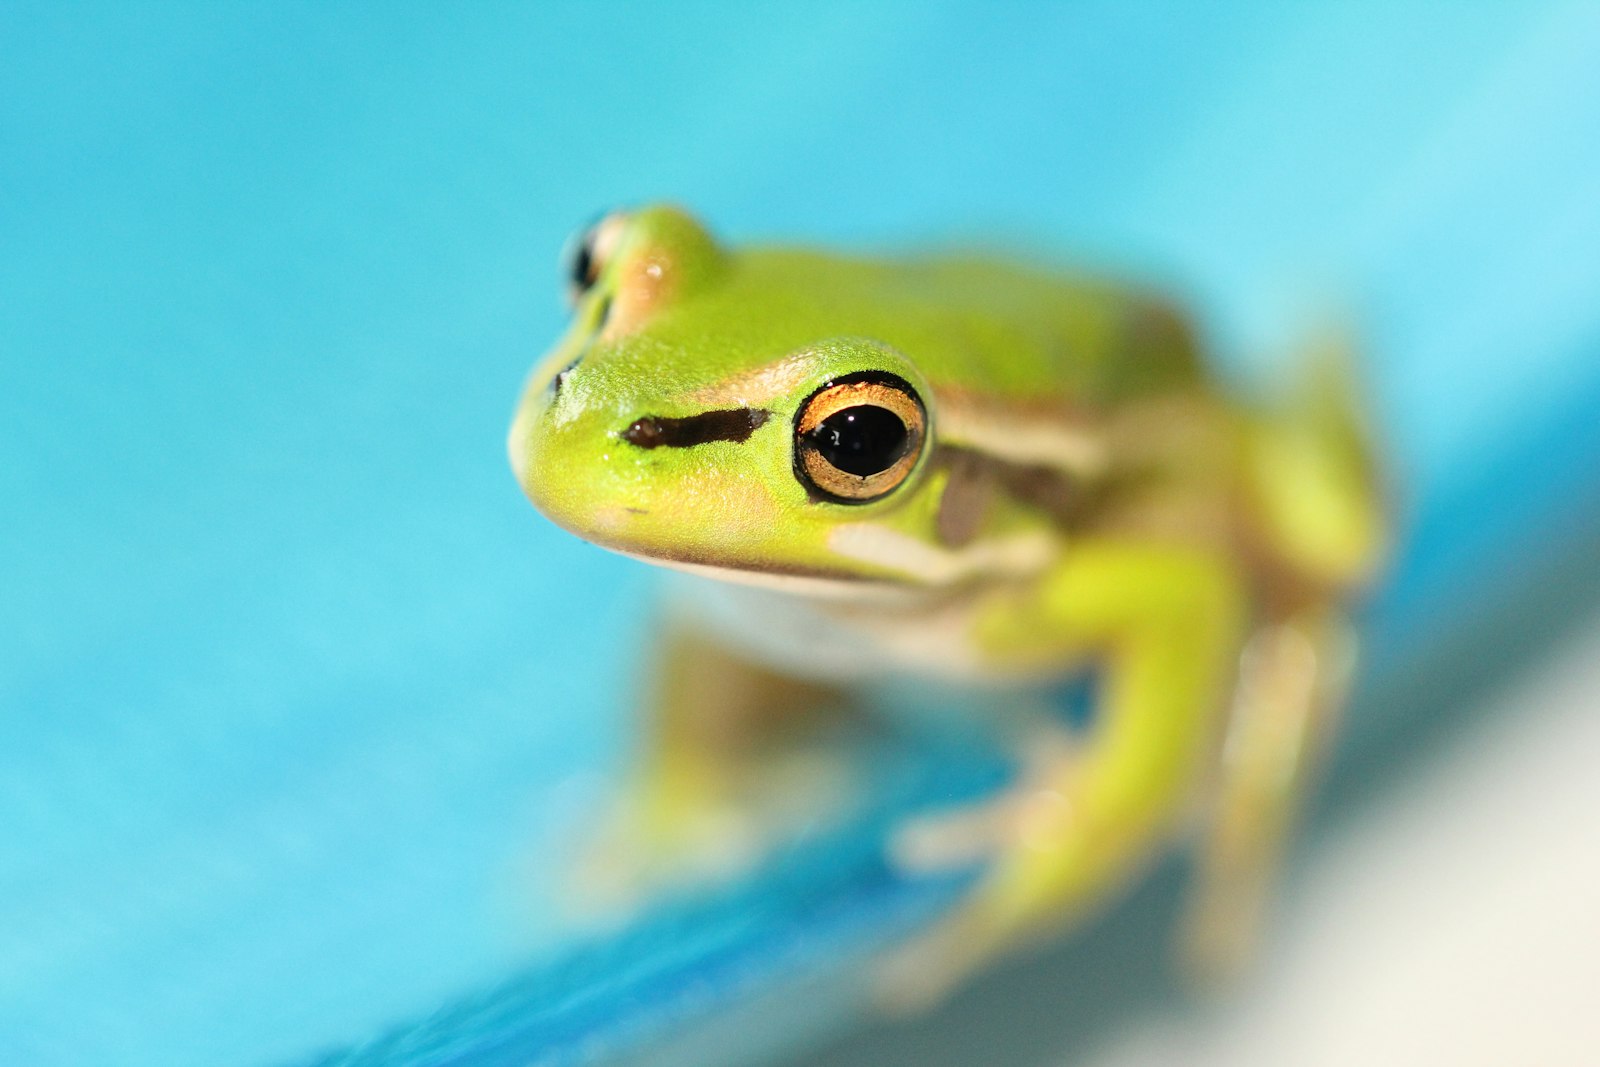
(297, 694)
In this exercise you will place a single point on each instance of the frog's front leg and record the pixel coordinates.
(709, 772)
(1162, 624)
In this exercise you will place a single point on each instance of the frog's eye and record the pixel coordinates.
(858, 437)
(588, 253)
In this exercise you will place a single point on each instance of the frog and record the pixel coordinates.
(982, 470)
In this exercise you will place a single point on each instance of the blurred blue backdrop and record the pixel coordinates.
(293, 683)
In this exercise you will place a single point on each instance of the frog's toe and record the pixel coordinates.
(656, 841)
(636, 854)
(1024, 817)
(936, 844)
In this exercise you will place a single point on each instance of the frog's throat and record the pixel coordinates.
(902, 567)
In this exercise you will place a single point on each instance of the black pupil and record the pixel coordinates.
(861, 440)
(582, 266)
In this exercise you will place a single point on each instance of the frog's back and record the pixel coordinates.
(975, 326)
(1091, 341)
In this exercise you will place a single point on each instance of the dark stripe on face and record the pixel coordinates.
(976, 479)
(733, 424)
(967, 495)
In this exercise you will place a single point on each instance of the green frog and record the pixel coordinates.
(963, 468)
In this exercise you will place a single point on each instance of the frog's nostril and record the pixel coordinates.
(560, 378)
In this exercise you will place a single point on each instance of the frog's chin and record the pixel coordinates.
(612, 528)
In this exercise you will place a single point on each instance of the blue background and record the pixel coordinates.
(297, 693)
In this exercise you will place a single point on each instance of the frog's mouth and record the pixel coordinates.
(817, 583)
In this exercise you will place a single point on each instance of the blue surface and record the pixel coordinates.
(296, 693)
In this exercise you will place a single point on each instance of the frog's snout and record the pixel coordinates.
(571, 464)
(533, 443)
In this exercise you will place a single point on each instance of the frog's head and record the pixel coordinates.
(711, 409)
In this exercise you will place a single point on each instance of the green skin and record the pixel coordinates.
(1084, 496)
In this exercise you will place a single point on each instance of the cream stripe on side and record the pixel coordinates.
(1023, 440)
(1017, 556)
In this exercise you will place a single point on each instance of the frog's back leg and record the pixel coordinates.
(1318, 522)
(1293, 676)
(1313, 492)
